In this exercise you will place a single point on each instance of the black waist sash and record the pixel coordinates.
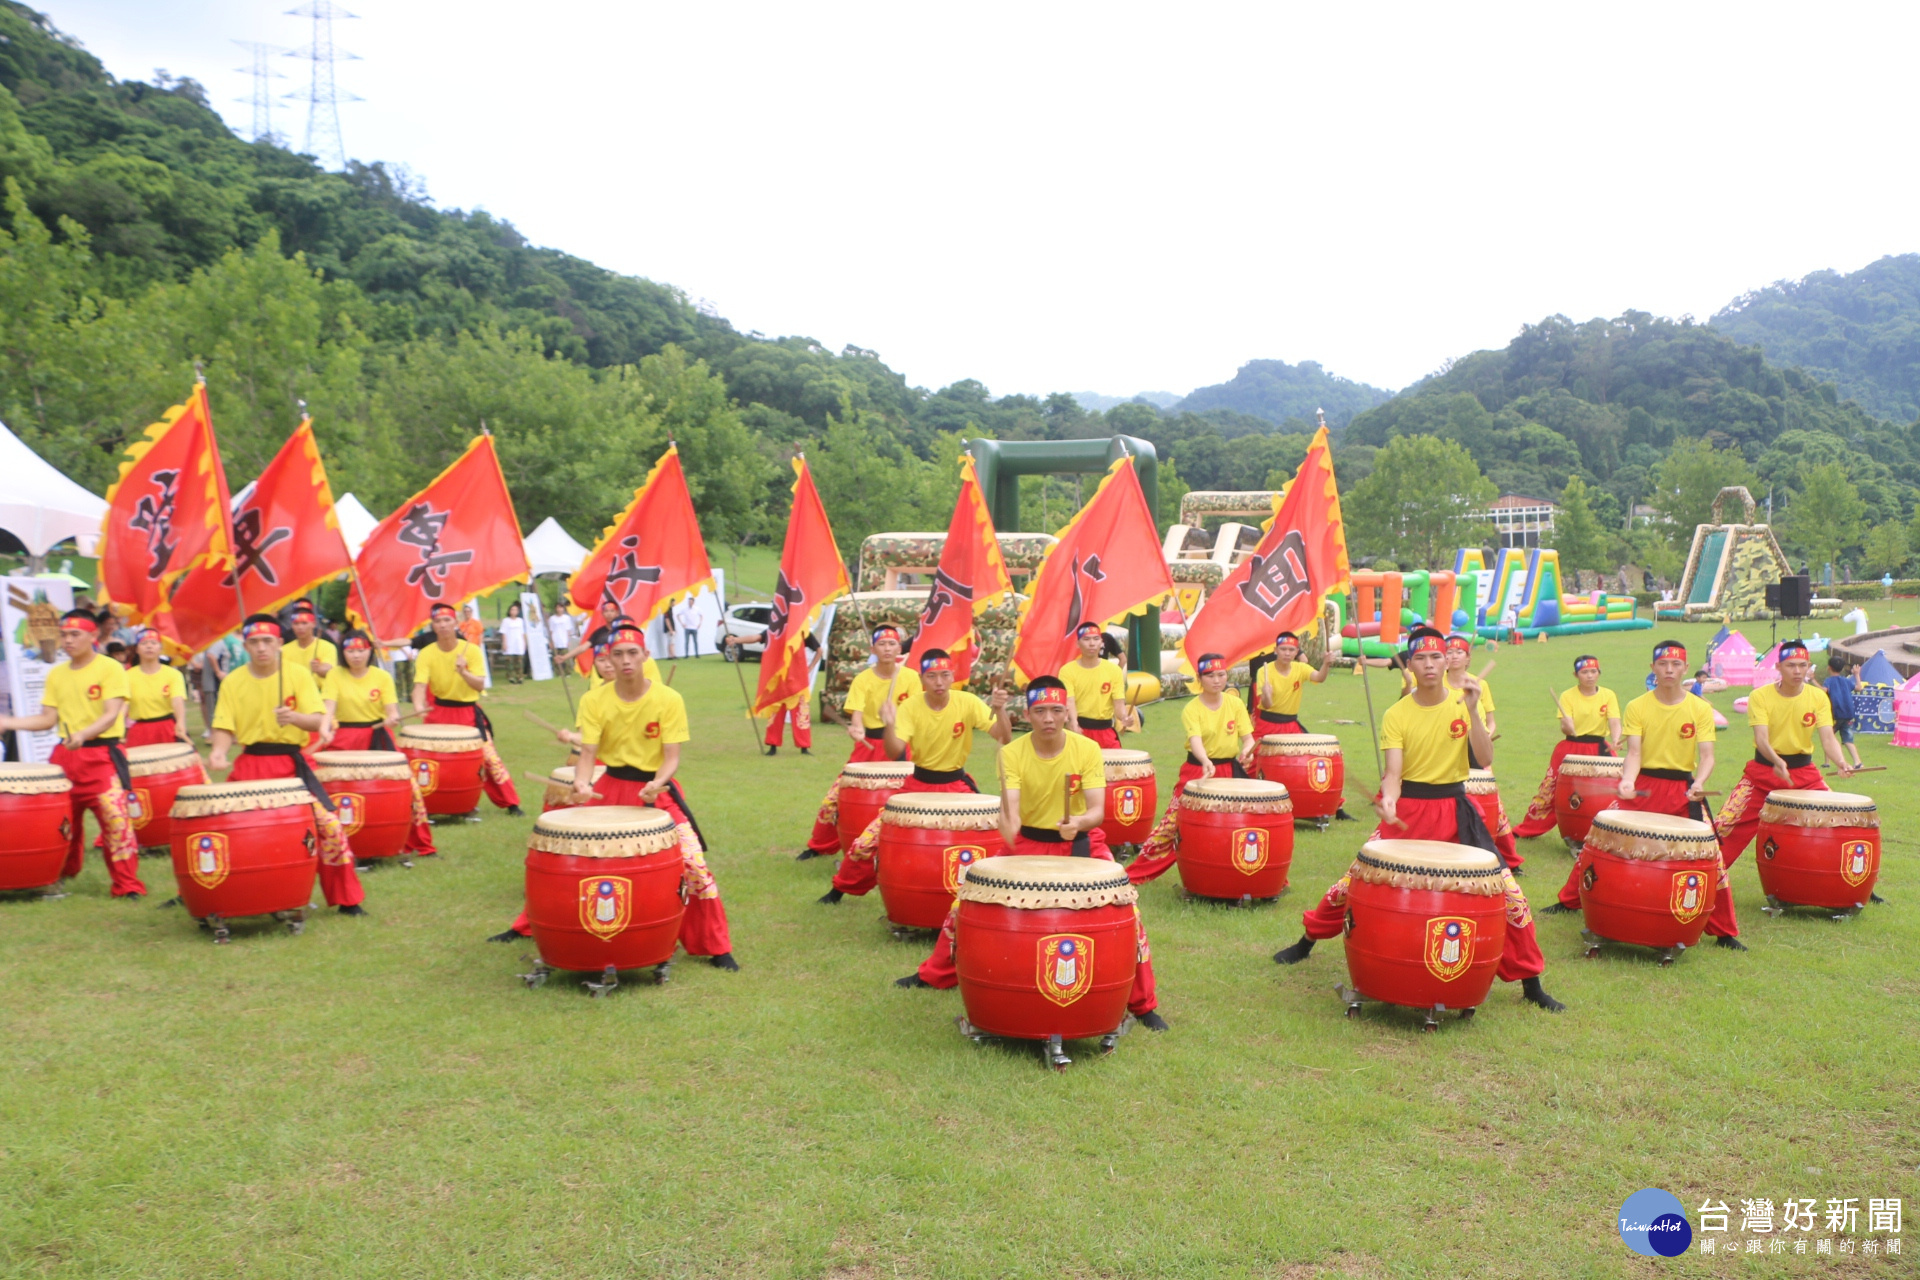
(1471, 827)
(628, 773)
(154, 719)
(301, 768)
(1593, 739)
(118, 757)
(480, 721)
(877, 735)
(381, 739)
(1231, 762)
(943, 777)
(1279, 717)
(1668, 775)
(1082, 845)
(1798, 760)
(1088, 722)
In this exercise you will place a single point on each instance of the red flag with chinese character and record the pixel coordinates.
(455, 539)
(811, 575)
(286, 538)
(1299, 562)
(972, 576)
(650, 557)
(1106, 564)
(167, 513)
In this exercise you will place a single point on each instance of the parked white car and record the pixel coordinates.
(749, 623)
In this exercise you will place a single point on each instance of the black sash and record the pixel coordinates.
(154, 719)
(1279, 717)
(877, 735)
(1082, 845)
(480, 721)
(1231, 762)
(301, 768)
(1668, 775)
(943, 777)
(380, 740)
(119, 758)
(1592, 739)
(1795, 761)
(1088, 722)
(1472, 828)
(627, 773)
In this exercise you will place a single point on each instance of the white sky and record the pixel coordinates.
(1123, 198)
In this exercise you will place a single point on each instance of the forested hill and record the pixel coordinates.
(1277, 391)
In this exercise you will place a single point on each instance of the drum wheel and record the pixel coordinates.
(221, 934)
(295, 920)
(660, 973)
(609, 981)
(1054, 1055)
(1593, 941)
(537, 978)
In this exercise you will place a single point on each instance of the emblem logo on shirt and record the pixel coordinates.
(606, 904)
(93, 693)
(1106, 686)
(653, 729)
(1806, 718)
(1689, 896)
(1066, 967)
(1074, 785)
(426, 775)
(207, 859)
(1250, 846)
(1128, 801)
(1686, 730)
(289, 702)
(374, 696)
(958, 728)
(1458, 729)
(901, 701)
(1857, 860)
(1233, 726)
(1605, 711)
(1449, 946)
(351, 809)
(954, 861)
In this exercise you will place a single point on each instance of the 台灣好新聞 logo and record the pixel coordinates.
(1653, 1223)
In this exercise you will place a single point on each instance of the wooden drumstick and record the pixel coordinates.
(548, 725)
(1859, 768)
(555, 782)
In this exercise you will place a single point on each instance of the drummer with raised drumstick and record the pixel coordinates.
(1432, 739)
(1096, 688)
(1219, 739)
(1589, 726)
(887, 680)
(1277, 680)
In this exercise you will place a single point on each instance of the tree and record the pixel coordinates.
(1826, 518)
(1578, 536)
(1688, 480)
(1886, 549)
(1424, 498)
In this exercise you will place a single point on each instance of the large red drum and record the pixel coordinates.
(447, 764)
(1485, 793)
(1236, 838)
(36, 813)
(1046, 946)
(1426, 922)
(1818, 849)
(1133, 796)
(372, 795)
(158, 772)
(865, 789)
(603, 887)
(927, 841)
(559, 792)
(244, 848)
(1310, 767)
(1586, 785)
(1648, 879)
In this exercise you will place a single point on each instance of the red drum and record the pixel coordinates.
(1648, 879)
(244, 848)
(446, 764)
(1236, 838)
(1486, 797)
(158, 772)
(36, 814)
(927, 841)
(1818, 849)
(1309, 766)
(559, 793)
(1426, 923)
(1133, 796)
(603, 887)
(1586, 785)
(864, 791)
(372, 795)
(1046, 946)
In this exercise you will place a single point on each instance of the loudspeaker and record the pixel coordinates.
(1792, 596)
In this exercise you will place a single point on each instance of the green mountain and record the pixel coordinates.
(1278, 391)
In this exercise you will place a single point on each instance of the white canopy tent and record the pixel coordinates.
(551, 549)
(356, 522)
(40, 506)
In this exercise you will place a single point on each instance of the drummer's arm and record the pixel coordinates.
(180, 718)
(1389, 801)
(1630, 771)
(669, 765)
(1001, 730)
(112, 708)
(1831, 745)
(1763, 743)
(330, 720)
(47, 718)
(419, 692)
(1009, 816)
(857, 726)
(1096, 813)
(1326, 665)
(583, 770)
(889, 724)
(1613, 731)
(222, 743)
(1703, 769)
(1197, 746)
(1479, 738)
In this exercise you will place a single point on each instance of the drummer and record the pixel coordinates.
(269, 707)
(448, 676)
(1054, 800)
(156, 696)
(1431, 741)
(85, 697)
(1589, 726)
(888, 679)
(362, 712)
(1094, 684)
(1278, 680)
(937, 726)
(1459, 650)
(1219, 737)
(309, 648)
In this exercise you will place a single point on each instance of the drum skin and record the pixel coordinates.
(270, 860)
(1212, 848)
(859, 806)
(558, 885)
(998, 952)
(1387, 941)
(1832, 867)
(449, 780)
(1146, 810)
(151, 804)
(1577, 797)
(917, 874)
(1640, 901)
(34, 843)
(385, 814)
(1316, 783)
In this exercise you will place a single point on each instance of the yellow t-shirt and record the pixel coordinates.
(319, 648)
(1589, 715)
(869, 690)
(80, 697)
(942, 740)
(1044, 784)
(151, 696)
(356, 701)
(434, 668)
(1791, 722)
(1280, 690)
(247, 704)
(1093, 689)
(1432, 740)
(633, 734)
(1670, 736)
(1219, 730)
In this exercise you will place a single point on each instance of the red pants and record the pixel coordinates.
(147, 733)
(826, 823)
(338, 879)
(802, 725)
(1502, 831)
(1437, 820)
(858, 872)
(1540, 817)
(1669, 796)
(97, 787)
(703, 929)
(938, 970)
(494, 775)
(1740, 818)
(1262, 727)
(360, 738)
(1106, 739)
(1162, 847)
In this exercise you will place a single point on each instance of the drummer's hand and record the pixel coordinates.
(582, 792)
(1783, 773)
(327, 731)
(1626, 789)
(216, 759)
(999, 698)
(75, 743)
(1470, 690)
(1246, 760)
(569, 736)
(857, 734)
(1069, 830)
(1206, 768)
(1388, 811)
(1843, 769)
(284, 715)
(1566, 727)
(886, 712)
(460, 664)
(1695, 791)
(651, 792)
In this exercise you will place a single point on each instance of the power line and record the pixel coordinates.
(262, 99)
(323, 97)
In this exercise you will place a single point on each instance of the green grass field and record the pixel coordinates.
(382, 1097)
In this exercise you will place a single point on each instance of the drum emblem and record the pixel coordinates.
(955, 860)
(1066, 967)
(606, 904)
(207, 860)
(1250, 848)
(1449, 946)
(426, 775)
(1320, 776)
(1856, 861)
(1689, 896)
(1127, 803)
(139, 807)
(351, 810)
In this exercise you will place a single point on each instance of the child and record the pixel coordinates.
(1840, 687)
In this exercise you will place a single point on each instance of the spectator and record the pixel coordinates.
(689, 621)
(1840, 686)
(513, 643)
(560, 630)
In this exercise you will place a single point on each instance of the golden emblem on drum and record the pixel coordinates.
(351, 809)
(1856, 861)
(606, 904)
(1127, 803)
(1449, 946)
(1066, 966)
(1251, 847)
(1689, 896)
(955, 860)
(426, 775)
(208, 861)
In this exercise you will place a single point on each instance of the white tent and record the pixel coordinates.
(40, 506)
(356, 522)
(551, 549)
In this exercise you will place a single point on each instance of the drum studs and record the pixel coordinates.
(609, 981)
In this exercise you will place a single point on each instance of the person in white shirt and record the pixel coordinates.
(687, 615)
(513, 643)
(560, 630)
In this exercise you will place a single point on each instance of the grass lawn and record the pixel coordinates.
(382, 1097)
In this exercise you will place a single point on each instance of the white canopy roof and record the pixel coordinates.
(551, 549)
(356, 522)
(40, 506)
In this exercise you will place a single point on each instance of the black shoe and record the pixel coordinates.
(911, 980)
(1531, 990)
(1296, 953)
(1341, 815)
(806, 854)
(830, 897)
(1557, 908)
(725, 961)
(511, 935)
(1876, 899)
(773, 750)
(1731, 944)
(355, 910)
(806, 751)
(135, 896)
(1515, 872)
(515, 811)
(1152, 1020)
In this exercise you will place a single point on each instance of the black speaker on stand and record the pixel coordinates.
(1791, 597)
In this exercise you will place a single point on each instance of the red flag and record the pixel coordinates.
(811, 575)
(971, 577)
(1106, 564)
(286, 538)
(653, 555)
(167, 513)
(455, 539)
(1299, 562)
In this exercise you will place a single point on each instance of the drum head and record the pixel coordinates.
(955, 810)
(880, 770)
(33, 779)
(1651, 824)
(1652, 837)
(564, 774)
(1126, 755)
(604, 831)
(1481, 782)
(1041, 883)
(438, 737)
(1256, 789)
(1430, 856)
(202, 798)
(1592, 766)
(1793, 807)
(161, 751)
(359, 759)
(1300, 744)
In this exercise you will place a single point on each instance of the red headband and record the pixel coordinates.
(1461, 643)
(1046, 696)
(87, 625)
(440, 609)
(1089, 628)
(942, 663)
(1207, 666)
(1286, 637)
(1585, 665)
(1669, 651)
(1428, 643)
(624, 631)
(1792, 649)
(881, 633)
(356, 643)
(262, 629)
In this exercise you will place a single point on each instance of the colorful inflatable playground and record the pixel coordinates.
(1730, 566)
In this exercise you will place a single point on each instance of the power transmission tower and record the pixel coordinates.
(262, 99)
(323, 97)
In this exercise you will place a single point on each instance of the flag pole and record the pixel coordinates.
(753, 721)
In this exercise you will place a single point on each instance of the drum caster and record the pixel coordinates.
(1466, 1015)
(538, 978)
(970, 1031)
(1054, 1055)
(1110, 1041)
(221, 934)
(900, 932)
(1774, 906)
(1843, 916)
(1322, 824)
(1593, 941)
(1351, 998)
(295, 920)
(1671, 954)
(1246, 900)
(1573, 847)
(660, 973)
(406, 864)
(54, 895)
(609, 981)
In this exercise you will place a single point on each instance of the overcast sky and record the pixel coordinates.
(1123, 198)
